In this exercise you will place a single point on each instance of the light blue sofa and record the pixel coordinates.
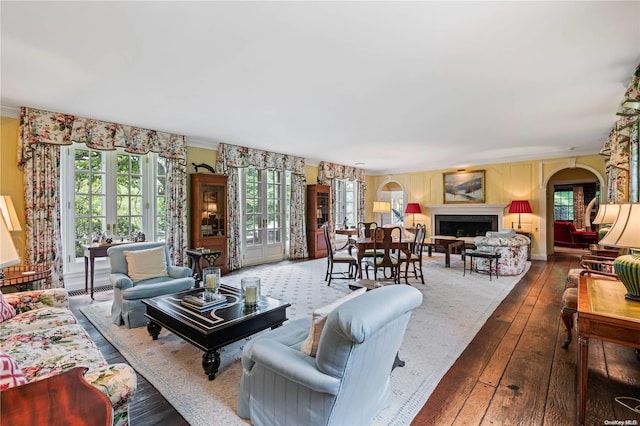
(348, 381)
(127, 307)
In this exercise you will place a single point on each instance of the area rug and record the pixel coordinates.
(454, 309)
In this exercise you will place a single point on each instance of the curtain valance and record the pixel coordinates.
(240, 157)
(46, 127)
(327, 171)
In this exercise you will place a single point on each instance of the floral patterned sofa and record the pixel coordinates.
(512, 248)
(41, 334)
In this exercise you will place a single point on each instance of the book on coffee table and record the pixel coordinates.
(198, 301)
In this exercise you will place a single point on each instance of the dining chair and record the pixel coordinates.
(416, 255)
(387, 244)
(366, 228)
(341, 257)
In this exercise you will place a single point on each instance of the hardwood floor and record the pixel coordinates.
(514, 372)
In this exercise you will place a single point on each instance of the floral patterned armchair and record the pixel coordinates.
(512, 248)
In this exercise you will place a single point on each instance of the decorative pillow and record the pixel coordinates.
(6, 310)
(10, 374)
(319, 317)
(145, 264)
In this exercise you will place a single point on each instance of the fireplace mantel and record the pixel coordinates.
(467, 209)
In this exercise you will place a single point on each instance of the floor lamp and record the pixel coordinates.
(381, 207)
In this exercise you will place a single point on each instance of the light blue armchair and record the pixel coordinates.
(140, 271)
(348, 381)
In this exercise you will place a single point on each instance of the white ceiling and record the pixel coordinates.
(398, 86)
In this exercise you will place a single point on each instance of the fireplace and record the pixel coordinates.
(465, 220)
(459, 225)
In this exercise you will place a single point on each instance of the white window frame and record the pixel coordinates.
(341, 203)
(73, 264)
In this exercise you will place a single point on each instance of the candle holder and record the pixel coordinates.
(211, 280)
(250, 291)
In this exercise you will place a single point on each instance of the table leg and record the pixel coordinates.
(447, 257)
(86, 273)
(360, 255)
(583, 371)
(211, 363)
(91, 262)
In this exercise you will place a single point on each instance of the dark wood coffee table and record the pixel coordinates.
(212, 330)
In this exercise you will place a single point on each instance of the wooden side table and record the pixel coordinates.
(196, 255)
(23, 276)
(90, 254)
(63, 399)
(603, 314)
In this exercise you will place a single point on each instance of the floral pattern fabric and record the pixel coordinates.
(44, 340)
(41, 135)
(327, 175)
(512, 250)
(621, 147)
(230, 159)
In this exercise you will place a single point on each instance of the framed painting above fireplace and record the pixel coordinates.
(464, 187)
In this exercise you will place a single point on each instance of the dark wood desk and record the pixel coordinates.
(445, 244)
(196, 256)
(63, 399)
(603, 314)
(90, 254)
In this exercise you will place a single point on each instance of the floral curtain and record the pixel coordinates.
(578, 207)
(230, 159)
(327, 175)
(41, 135)
(621, 147)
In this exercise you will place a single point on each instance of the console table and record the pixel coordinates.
(90, 254)
(603, 314)
(209, 256)
(63, 399)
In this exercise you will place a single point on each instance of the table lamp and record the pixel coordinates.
(9, 213)
(8, 254)
(520, 206)
(607, 214)
(625, 232)
(381, 207)
(413, 208)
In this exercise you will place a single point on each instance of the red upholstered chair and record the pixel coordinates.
(565, 234)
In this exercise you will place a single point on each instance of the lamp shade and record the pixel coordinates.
(625, 231)
(381, 206)
(8, 254)
(607, 214)
(9, 213)
(520, 206)
(413, 208)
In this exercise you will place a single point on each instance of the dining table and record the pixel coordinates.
(367, 243)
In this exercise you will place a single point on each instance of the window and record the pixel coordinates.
(346, 205)
(110, 191)
(563, 205)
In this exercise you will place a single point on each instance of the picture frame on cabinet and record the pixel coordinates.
(210, 197)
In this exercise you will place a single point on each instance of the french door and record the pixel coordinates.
(264, 218)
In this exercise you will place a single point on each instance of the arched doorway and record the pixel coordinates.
(569, 193)
(393, 192)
